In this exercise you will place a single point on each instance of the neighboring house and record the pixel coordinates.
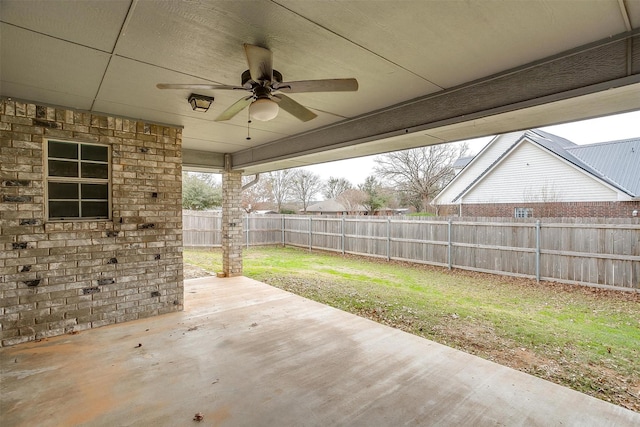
(387, 211)
(401, 211)
(536, 174)
(333, 207)
(329, 207)
(264, 212)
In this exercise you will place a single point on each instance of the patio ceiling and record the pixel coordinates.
(429, 71)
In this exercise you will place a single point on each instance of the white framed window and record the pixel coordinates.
(78, 180)
(524, 212)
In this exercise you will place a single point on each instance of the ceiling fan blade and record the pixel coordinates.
(198, 86)
(327, 85)
(260, 62)
(292, 107)
(238, 106)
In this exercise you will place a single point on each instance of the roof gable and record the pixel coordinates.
(474, 168)
(530, 173)
(616, 163)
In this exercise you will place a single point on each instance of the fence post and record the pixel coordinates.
(356, 238)
(388, 239)
(538, 251)
(283, 228)
(218, 225)
(247, 228)
(342, 239)
(449, 252)
(310, 235)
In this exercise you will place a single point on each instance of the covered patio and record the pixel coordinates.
(79, 86)
(243, 353)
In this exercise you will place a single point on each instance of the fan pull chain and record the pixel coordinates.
(248, 125)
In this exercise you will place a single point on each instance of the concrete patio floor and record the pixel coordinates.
(247, 354)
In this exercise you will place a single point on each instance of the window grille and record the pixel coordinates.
(78, 185)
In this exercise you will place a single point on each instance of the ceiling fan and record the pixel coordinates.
(267, 89)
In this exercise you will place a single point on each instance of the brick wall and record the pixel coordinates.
(547, 209)
(59, 277)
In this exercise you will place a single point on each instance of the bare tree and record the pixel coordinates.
(281, 185)
(352, 200)
(256, 195)
(420, 173)
(335, 187)
(305, 185)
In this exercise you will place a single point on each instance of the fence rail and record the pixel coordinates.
(595, 254)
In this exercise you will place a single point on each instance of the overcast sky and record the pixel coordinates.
(609, 128)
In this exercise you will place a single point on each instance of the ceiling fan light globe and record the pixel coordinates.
(263, 110)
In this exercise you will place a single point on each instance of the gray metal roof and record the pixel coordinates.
(462, 162)
(619, 161)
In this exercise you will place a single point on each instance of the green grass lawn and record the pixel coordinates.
(584, 338)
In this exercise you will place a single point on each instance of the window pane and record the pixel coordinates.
(64, 210)
(58, 190)
(63, 150)
(95, 152)
(93, 170)
(95, 209)
(63, 168)
(95, 191)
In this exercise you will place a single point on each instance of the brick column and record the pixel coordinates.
(231, 224)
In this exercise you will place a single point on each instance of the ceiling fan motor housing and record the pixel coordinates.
(246, 77)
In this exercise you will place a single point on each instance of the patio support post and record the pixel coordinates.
(231, 223)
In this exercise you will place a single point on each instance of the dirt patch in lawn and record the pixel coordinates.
(193, 272)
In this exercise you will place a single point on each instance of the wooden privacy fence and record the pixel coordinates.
(601, 254)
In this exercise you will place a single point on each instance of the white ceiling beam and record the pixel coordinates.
(197, 160)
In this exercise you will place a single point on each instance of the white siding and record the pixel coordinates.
(478, 165)
(532, 174)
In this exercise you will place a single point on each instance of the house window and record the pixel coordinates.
(524, 212)
(77, 180)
